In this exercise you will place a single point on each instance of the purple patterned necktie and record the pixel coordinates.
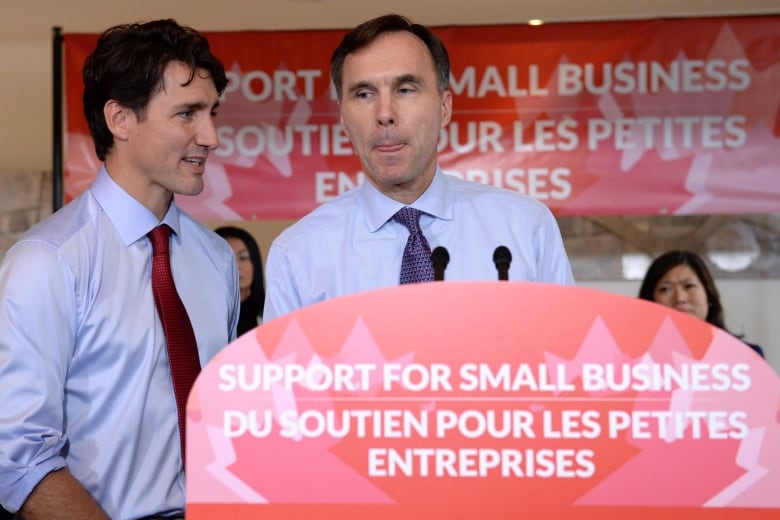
(416, 265)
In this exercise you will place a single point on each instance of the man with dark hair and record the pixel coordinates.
(392, 81)
(103, 325)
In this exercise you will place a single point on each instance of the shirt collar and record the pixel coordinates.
(379, 208)
(132, 219)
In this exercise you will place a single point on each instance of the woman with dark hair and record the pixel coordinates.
(250, 276)
(681, 280)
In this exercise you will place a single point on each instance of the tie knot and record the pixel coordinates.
(160, 238)
(409, 217)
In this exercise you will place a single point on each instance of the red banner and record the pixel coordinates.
(643, 117)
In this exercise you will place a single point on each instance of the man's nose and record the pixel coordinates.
(386, 114)
(207, 134)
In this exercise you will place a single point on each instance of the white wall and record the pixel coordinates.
(750, 307)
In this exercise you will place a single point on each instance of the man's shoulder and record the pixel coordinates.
(75, 219)
(493, 197)
(64, 241)
(203, 236)
(330, 216)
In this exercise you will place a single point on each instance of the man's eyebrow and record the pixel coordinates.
(408, 78)
(197, 105)
(398, 80)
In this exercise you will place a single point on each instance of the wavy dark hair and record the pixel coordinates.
(128, 65)
(252, 307)
(668, 261)
(364, 34)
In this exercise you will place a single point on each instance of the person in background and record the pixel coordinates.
(91, 414)
(250, 276)
(681, 280)
(392, 83)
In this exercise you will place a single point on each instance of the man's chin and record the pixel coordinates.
(190, 191)
(393, 176)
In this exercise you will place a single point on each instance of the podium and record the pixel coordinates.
(484, 400)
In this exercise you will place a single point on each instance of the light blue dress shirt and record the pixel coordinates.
(84, 376)
(351, 243)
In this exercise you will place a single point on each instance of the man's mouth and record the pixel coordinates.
(389, 148)
(197, 161)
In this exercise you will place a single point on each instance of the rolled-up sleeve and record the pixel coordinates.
(38, 318)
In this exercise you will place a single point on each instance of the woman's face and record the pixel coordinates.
(246, 270)
(681, 289)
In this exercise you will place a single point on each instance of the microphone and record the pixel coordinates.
(440, 258)
(502, 258)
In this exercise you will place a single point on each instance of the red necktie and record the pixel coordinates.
(182, 348)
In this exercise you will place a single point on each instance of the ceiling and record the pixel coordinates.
(34, 19)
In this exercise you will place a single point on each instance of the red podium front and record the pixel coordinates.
(484, 399)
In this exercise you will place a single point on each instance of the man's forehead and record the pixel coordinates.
(397, 53)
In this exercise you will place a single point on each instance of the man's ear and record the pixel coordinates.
(341, 120)
(116, 119)
(446, 108)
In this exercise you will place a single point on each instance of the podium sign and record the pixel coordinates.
(484, 399)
